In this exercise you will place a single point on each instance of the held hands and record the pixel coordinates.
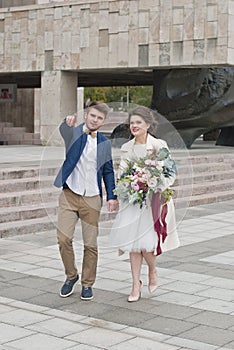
(112, 205)
(71, 120)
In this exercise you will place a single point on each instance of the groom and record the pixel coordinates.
(88, 161)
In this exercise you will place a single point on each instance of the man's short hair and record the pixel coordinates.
(100, 106)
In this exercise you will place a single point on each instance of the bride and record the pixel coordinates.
(133, 228)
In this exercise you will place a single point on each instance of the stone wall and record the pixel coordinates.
(14, 3)
(116, 34)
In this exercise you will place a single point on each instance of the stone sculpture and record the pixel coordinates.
(195, 101)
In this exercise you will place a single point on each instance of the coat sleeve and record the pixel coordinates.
(167, 182)
(123, 160)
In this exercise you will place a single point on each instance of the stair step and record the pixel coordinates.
(202, 177)
(23, 172)
(211, 158)
(208, 187)
(205, 167)
(27, 212)
(28, 226)
(14, 130)
(201, 199)
(28, 197)
(26, 184)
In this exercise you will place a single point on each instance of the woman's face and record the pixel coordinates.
(138, 126)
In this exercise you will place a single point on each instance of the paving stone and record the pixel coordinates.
(143, 333)
(15, 265)
(209, 335)
(190, 344)
(64, 315)
(143, 343)
(126, 316)
(44, 284)
(57, 327)
(214, 319)
(99, 337)
(94, 322)
(217, 293)
(106, 296)
(188, 276)
(166, 325)
(4, 285)
(194, 267)
(90, 309)
(20, 293)
(179, 298)
(8, 276)
(145, 305)
(84, 347)
(22, 317)
(215, 305)
(229, 346)
(52, 300)
(9, 333)
(175, 311)
(5, 309)
(41, 341)
(30, 307)
(110, 285)
(185, 287)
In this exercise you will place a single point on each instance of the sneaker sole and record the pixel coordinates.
(90, 298)
(67, 295)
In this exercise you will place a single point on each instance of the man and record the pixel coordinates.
(88, 161)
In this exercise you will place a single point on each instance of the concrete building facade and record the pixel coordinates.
(57, 42)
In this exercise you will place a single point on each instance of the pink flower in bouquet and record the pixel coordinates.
(136, 187)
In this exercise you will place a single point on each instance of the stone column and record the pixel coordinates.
(80, 105)
(37, 110)
(58, 98)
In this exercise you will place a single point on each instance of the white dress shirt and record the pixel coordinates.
(83, 179)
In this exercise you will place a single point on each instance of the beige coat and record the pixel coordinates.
(127, 153)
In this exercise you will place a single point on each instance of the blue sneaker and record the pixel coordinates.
(68, 287)
(87, 293)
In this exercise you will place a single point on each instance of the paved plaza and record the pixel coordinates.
(193, 307)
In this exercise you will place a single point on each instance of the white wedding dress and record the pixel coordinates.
(133, 227)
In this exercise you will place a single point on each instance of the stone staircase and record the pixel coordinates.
(28, 199)
(207, 179)
(12, 135)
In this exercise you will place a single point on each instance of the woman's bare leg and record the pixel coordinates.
(150, 258)
(136, 262)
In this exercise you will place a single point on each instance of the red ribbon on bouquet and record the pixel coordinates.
(159, 212)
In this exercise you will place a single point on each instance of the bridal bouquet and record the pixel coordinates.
(145, 176)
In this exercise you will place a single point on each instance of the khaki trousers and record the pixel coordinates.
(71, 208)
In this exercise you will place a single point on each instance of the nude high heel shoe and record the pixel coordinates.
(132, 298)
(152, 287)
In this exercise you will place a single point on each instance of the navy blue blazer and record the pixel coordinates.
(75, 140)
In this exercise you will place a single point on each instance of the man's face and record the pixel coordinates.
(94, 119)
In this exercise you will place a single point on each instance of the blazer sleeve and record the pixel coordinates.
(108, 174)
(66, 133)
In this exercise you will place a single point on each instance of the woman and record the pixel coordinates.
(133, 228)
